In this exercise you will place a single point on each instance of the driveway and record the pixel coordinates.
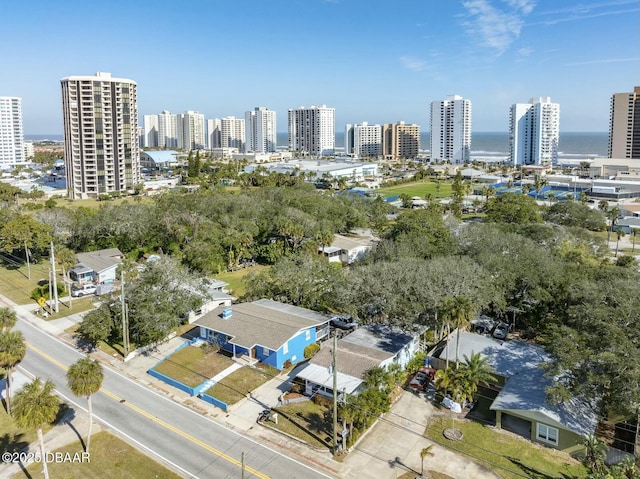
(392, 447)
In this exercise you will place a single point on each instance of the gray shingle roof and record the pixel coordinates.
(100, 260)
(261, 323)
(525, 390)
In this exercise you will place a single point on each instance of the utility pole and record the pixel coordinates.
(50, 293)
(26, 255)
(335, 394)
(125, 327)
(242, 462)
(52, 258)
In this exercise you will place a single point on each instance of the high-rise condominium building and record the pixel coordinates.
(312, 130)
(100, 116)
(190, 130)
(150, 131)
(400, 140)
(363, 141)
(11, 134)
(451, 130)
(534, 132)
(260, 130)
(167, 130)
(213, 132)
(624, 127)
(232, 131)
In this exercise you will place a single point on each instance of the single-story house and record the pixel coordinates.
(521, 405)
(364, 349)
(96, 266)
(345, 249)
(268, 331)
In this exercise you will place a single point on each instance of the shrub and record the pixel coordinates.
(311, 350)
(42, 291)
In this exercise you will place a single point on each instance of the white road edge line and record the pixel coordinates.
(113, 428)
(138, 384)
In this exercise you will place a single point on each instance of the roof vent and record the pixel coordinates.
(226, 313)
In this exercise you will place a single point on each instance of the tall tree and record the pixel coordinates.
(458, 310)
(36, 406)
(84, 378)
(12, 351)
(8, 319)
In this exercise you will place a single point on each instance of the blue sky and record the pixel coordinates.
(372, 60)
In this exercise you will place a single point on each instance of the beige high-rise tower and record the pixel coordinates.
(400, 141)
(624, 127)
(100, 116)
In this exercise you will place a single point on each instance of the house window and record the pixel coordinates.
(547, 434)
(307, 335)
(285, 348)
(265, 351)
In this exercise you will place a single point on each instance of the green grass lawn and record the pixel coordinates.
(307, 421)
(236, 279)
(510, 456)
(13, 438)
(110, 458)
(418, 188)
(239, 383)
(16, 286)
(78, 305)
(192, 365)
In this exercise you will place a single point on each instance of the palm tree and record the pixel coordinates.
(459, 310)
(595, 453)
(84, 378)
(12, 351)
(36, 405)
(619, 234)
(603, 205)
(612, 215)
(540, 183)
(424, 453)
(476, 370)
(8, 319)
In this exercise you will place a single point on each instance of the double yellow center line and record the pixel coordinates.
(162, 423)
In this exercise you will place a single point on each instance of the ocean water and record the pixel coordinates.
(496, 144)
(483, 144)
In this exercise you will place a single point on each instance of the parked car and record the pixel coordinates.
(422, 378)
(501, 331)
(83, 290)
(343, 322)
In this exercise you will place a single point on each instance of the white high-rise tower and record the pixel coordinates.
(312, 130)
(534, 131)
(100, 116)
(190, 130)
(260, 130)
(11, 133)
(451, 130)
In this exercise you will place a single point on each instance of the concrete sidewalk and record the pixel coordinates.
(390, 448)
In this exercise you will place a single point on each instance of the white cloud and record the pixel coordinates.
(497, 28)
(604, 60)
(414, 64)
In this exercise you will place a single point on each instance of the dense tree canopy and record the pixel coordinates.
(555, 279)
(513, 208)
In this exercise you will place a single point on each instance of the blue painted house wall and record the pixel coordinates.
(294, 347)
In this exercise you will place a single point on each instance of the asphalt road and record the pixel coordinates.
(190, 443)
